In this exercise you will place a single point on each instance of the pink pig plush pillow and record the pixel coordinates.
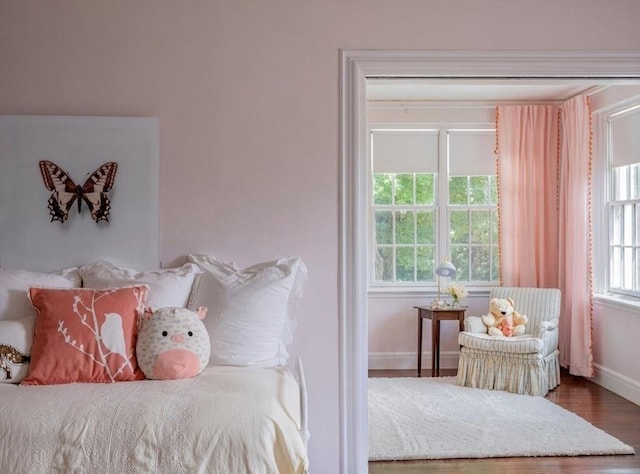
(173, 343)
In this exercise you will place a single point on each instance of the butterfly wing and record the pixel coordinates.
(63, 190)
(95, 188)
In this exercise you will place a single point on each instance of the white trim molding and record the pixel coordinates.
(353, 273)
(617, 383)
(355, 68)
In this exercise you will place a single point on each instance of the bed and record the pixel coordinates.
(246, 412)
(226, 420)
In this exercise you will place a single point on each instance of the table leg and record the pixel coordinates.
(438, 350)
(419, 344)
(435, 333)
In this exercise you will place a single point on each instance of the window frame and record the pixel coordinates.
(442, 207)
(612, 202)
(602, 214)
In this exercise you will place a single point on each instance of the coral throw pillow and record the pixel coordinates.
(85, 335)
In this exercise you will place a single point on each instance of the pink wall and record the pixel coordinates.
(247, 97)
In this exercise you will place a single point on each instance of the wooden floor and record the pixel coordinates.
(600, 407)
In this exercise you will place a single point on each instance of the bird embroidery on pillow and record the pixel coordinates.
(99, 332)
(112, 334)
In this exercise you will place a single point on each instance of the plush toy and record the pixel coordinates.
(499, 308)
(506, 326)
(173, 343)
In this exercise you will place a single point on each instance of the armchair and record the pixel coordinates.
(526, 364)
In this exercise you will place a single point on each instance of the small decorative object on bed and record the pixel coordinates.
(10, 356)
(64, 191)
(173, 343)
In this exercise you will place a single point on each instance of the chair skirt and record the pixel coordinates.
(528, 374)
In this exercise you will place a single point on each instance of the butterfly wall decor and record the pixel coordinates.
(64, 191)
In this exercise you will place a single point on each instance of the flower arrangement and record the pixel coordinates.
(457, 292)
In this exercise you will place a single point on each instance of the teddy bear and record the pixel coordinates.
(499, 308)
(173, 343)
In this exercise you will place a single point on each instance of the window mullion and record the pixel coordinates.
(415, 229)
(443, 215)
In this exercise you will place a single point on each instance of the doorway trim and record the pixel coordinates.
(355, 67)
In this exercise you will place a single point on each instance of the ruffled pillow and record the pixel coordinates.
(167, 287)
(252, 311)
(14, 284)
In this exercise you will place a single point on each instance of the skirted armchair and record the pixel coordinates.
(526, 364)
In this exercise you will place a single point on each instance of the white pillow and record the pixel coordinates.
(167, 287)
(14, 302)
(16, 337)
(251, 312)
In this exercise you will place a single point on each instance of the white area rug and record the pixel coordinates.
(433, 418)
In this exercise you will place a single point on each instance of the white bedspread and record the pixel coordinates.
(227, 420)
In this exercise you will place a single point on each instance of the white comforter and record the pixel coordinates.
(227, 420)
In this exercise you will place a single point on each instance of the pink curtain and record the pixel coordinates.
(544, 169)
(575, 272)
(527, 171)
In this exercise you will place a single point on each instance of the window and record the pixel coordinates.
(623, 129)
(473, 227)
(413, 172)
(405, 234)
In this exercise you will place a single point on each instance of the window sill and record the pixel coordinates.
(412, 292)
(618, 302)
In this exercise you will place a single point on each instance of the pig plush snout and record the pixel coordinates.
(176, 364)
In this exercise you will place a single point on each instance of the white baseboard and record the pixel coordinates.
(409, 360)
(617, 383)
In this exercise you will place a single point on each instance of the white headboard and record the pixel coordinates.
(79, 145)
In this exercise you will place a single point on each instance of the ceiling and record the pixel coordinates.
(407, 89)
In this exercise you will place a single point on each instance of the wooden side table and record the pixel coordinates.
(436, 315)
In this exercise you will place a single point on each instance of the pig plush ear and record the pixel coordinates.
(148, 312)
(201, 312)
